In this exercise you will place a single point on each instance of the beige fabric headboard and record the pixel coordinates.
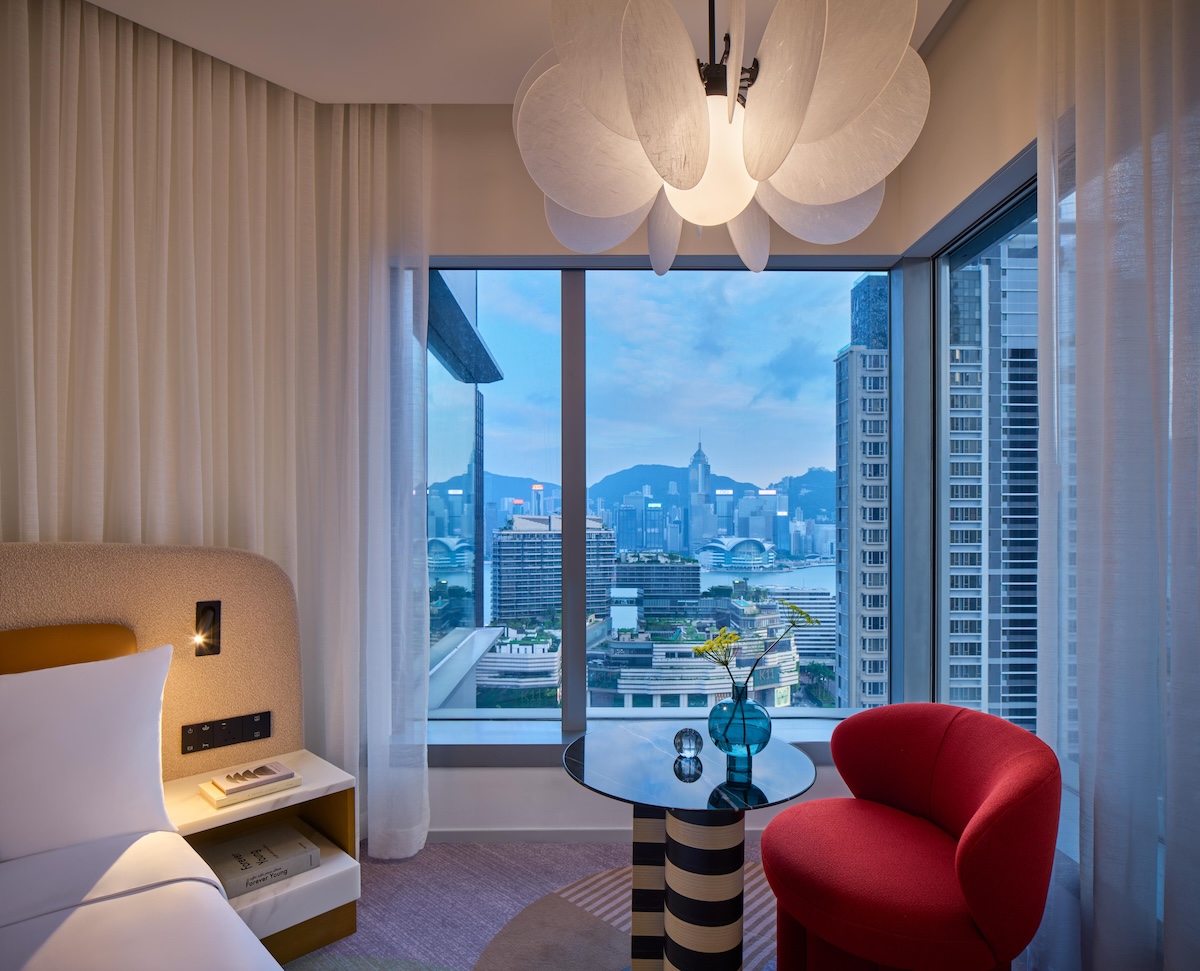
(153, 590)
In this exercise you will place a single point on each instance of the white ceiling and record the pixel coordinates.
(401, 51)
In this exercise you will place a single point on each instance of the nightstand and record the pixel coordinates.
(311, 909)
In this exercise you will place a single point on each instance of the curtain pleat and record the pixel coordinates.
(198, 340)
(1118, 569)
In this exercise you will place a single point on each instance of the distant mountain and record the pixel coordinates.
(497, 487)
(813, 492)
(613, 488)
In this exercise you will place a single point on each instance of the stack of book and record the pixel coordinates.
(249, 783)
(261, 857)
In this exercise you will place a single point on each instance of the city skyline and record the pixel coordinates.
(750, 370)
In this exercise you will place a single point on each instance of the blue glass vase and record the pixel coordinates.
(739, 726)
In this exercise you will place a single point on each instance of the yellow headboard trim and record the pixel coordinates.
(31, 648)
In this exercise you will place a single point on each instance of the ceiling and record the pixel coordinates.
(401, 51)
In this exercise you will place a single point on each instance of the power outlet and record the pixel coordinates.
(228, 732)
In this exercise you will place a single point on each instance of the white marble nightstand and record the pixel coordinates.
(311, 909)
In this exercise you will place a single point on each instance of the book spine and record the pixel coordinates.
(236, 886)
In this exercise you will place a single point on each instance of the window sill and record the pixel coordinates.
(527, 742)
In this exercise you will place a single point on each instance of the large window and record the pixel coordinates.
(988, 469)
(495, 503)
(738, 456)
(726, 453)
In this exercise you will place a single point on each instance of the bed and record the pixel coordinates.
(142, 902)
(93, 875)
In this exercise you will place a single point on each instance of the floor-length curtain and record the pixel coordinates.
(1119, 397)
(201, 343)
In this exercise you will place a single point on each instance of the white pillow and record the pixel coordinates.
(81, 753)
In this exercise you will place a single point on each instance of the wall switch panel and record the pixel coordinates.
(226, 731)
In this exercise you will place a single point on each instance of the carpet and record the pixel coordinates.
(584, 926)
(438, 910)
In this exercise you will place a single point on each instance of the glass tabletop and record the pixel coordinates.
(636, 762)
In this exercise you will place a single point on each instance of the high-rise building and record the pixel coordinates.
(813, 643)
(491, 521)
(863, 507)
(669, 585)
(654, 526)
(990, 569)
(726, 519)
(628, 527)
(700, 475)
(527, 568)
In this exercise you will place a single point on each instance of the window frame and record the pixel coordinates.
(510, 740)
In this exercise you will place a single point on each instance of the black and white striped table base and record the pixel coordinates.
(688, 886)
(649, 856)
(702, 919)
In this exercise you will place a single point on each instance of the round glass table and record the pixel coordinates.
(688, 833)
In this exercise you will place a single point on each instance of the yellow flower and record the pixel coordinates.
(797, 615)
(721, 649)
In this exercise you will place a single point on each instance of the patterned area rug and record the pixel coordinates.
(585, 927)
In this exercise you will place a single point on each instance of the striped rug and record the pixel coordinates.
(606, 895)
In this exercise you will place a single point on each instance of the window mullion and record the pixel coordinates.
(574, 501)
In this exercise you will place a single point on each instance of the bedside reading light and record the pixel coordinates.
(208, 628)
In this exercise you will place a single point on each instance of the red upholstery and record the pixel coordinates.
(942, 860)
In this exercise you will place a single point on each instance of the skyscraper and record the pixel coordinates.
(990, 569)
(861, 676)
(527, 568)
(699, 474)
(669, 586)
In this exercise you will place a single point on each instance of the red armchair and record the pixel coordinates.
(942, 860)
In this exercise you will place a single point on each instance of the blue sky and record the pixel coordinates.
(745, 359)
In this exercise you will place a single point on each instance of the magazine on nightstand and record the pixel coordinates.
(260, 857)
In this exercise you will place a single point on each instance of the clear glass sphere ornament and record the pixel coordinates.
(688, 770)
(688, 742)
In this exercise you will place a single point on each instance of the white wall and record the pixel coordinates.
(545, 805)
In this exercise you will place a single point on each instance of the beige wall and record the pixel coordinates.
(982, 113)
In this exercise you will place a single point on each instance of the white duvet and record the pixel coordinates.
(144, 902)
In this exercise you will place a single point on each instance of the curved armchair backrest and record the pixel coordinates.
(991, 785)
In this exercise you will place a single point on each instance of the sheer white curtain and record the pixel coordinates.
(1119, 568)
(201, 342)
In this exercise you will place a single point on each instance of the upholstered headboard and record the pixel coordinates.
(153, 591)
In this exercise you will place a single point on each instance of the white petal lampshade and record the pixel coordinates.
(666, 95)
(663, 229)
(854, 158)
(587, 37)
(616, 124)
(592, 234)
(577, 161)
(750, 231)
(788, 57)
(540, 67)
(821, 224)
(864, 43)
(726, 187)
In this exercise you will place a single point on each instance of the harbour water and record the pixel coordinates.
(821, 577)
